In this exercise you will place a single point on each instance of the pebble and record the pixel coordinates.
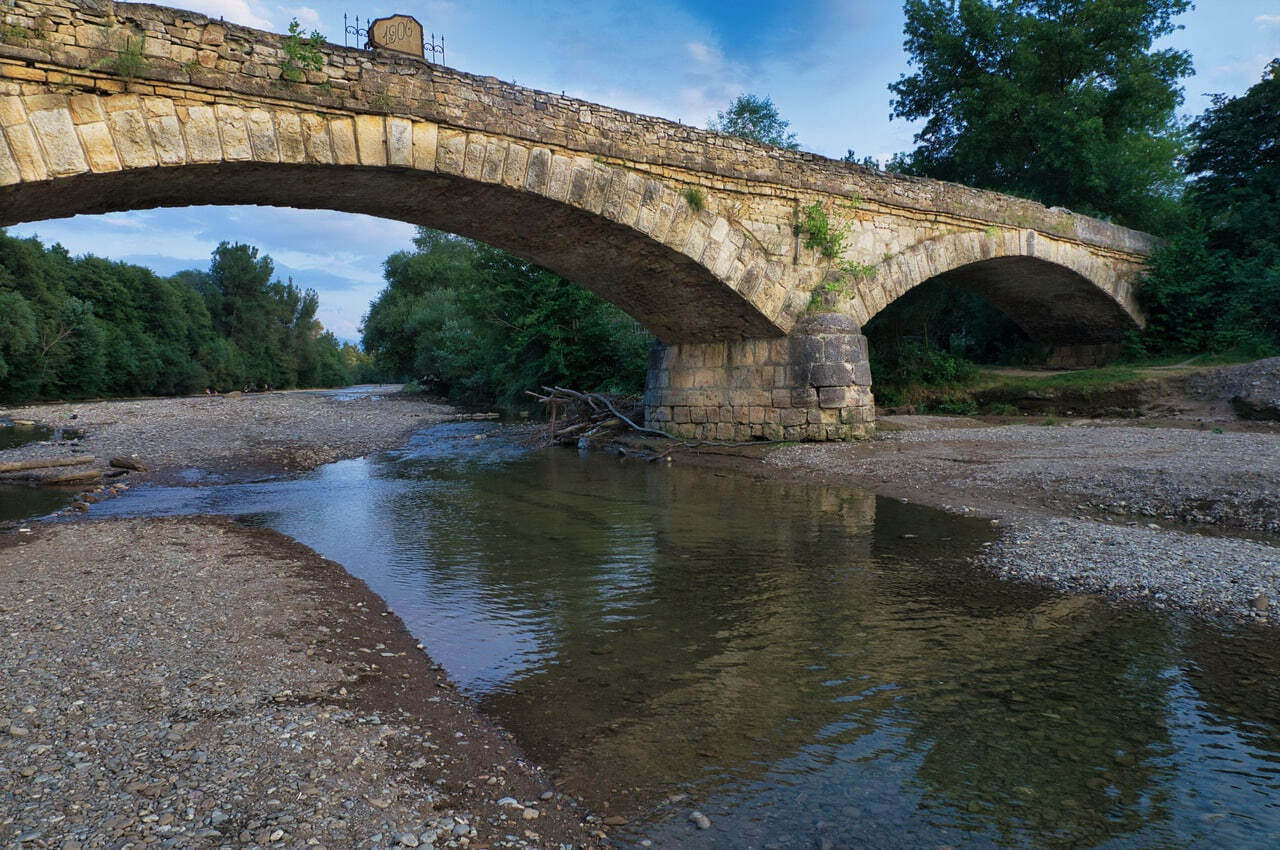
(530, 813)
(700, 820)
(408, 839)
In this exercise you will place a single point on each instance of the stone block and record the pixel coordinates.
(725, 431)
(9, 173)
(86, 109)
(792, 416)
(473, 156)
(98, 146)
(371, 140)
(200, 132)
(233, 128)
(26, 152)
(657, 414)
(315, 138)
(679, 414)
(451, 151)
(425, 136)
(342, 138)
(12, 111)
(495, 158)
(780, 398)
(262, 135)
(400, 142)
(561, 182)
(537, 176)
(166, 136)
(515, 166)
(206, 58)
(830, 375)
(289, 137)
(804, 397)
(862, 372)
(57, 136)
(698, 414)
(836, 397)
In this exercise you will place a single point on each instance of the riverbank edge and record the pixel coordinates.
(402, 685)
(1025, 526)
(569, 822)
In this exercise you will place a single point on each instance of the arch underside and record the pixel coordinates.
(675, 297)
(1052, 303)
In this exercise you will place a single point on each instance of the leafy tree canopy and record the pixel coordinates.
(755, 118)
(481, 325)
(1216, 284)
(1063, 101)
(72, 327)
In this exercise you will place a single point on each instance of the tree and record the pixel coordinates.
(481, 325)
(1063, 101)
(1216, 284)
(755, 118)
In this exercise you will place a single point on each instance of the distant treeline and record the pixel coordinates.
(77, 327)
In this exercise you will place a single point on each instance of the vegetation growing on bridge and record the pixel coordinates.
(480, 326)
(74, 327)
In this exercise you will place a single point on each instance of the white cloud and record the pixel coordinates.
(234, 11)
(1267, 20)
(703, 53)
(309, 18)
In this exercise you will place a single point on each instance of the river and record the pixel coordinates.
(810, 667)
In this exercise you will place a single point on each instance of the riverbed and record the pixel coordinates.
(802, 664)
(799, 661)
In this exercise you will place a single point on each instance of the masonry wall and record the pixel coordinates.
(812, 385)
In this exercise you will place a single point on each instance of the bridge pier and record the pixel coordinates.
(814, 384)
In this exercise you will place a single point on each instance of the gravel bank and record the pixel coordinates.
(1093, 506)
(191, 683)
(237, 435)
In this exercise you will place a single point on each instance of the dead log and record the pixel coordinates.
(76, 476)
(130, 463)
(44, 463)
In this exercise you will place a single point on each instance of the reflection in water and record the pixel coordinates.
(813, 666)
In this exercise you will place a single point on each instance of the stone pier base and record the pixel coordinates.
(812, 385)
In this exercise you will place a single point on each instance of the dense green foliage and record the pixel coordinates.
(756, 118)
(481, 326)
(1215, 286)
(1063, 101)
(74, 327)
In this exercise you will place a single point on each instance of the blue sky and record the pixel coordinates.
(826, 64)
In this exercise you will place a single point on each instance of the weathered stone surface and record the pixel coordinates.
(58, 138)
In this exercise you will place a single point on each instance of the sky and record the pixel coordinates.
(825, 63)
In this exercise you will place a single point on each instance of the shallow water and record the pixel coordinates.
(809, 666)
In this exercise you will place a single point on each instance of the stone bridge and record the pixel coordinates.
(700, 236)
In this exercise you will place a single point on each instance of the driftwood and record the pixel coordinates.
(129, 463)
(75, 476)
(572, 415)
(44, 463)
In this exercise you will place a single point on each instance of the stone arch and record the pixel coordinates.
(685, 273)
(1060, 292)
